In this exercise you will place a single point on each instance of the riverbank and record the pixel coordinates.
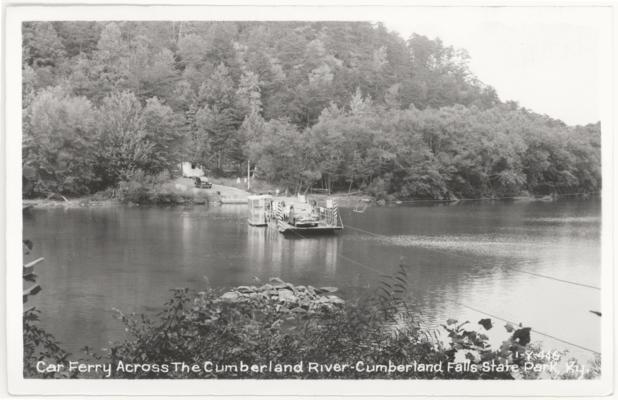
(181, 191)
(79, 202)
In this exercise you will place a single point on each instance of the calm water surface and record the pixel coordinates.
(472, 254)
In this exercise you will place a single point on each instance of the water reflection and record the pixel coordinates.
(304, 255)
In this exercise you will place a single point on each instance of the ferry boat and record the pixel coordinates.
(295, 216)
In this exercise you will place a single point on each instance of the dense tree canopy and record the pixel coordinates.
(336, 104)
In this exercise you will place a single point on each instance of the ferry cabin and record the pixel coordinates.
(259, 210)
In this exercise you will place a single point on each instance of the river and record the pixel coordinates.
(474, 255)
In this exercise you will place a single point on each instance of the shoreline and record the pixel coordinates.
(78, 202)
(222, 195)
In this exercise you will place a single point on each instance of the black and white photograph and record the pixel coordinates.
(362, 195)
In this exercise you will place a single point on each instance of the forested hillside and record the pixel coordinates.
(348, 106)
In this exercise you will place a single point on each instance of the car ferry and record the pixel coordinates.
(295, 216)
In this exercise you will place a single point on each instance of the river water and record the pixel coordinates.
(474, 255)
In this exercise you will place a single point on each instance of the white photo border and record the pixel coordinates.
(14, 15)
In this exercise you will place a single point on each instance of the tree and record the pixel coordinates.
(346, 105)
(218, 132)
(159, 77)
(121, 144)
(248, 93)
(78, 36)
(59, 142)
(282, 155)
(218, 120)
(359, 104)
(161, 128)
(109, 69)
(42, 46)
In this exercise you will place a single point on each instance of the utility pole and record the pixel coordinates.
(248, 174)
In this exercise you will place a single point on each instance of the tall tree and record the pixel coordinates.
(58, 143)
(121, 145)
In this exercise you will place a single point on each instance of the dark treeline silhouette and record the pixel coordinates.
(340, 105)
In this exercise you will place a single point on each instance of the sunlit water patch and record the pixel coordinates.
(566, 220)
(484, 245)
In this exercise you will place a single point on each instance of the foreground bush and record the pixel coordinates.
(266, 330)
(39, 345)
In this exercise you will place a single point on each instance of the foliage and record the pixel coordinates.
(75, 149)
(160, 129)
(39, 345)
(340, 105)
(198, 327)
(58, 142)
(283, 155)
(452, 152)
(141, 188)
(219, 119)
(121, 148)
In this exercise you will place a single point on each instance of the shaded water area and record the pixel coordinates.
(476, 254)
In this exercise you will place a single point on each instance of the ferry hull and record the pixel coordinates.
(255, 223)
(301, 231)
